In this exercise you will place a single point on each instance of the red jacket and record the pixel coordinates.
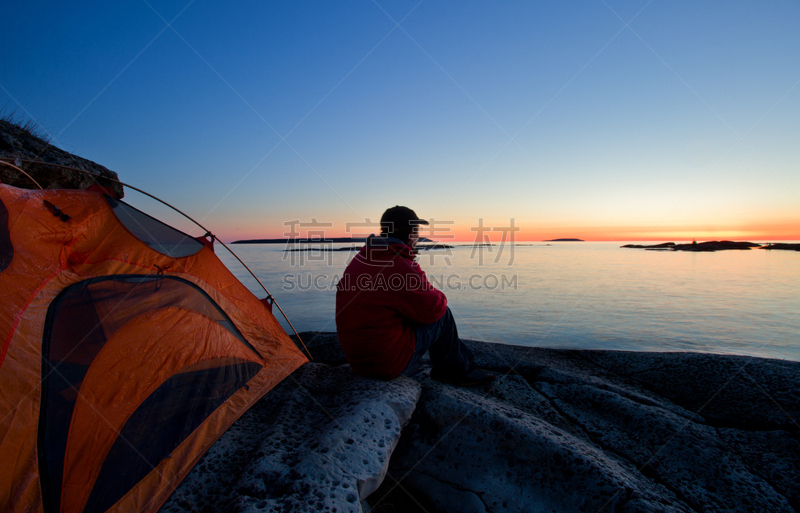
(382, 296)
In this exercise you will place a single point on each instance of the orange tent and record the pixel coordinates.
(128, 348)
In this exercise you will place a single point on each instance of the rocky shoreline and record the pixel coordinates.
(560, 430)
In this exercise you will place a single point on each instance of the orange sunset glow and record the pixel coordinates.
(680, 125)
(467, 234)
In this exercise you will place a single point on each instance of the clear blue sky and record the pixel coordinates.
(598, 119)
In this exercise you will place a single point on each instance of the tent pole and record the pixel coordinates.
(9, 164)
(268, 295)
(176, 210)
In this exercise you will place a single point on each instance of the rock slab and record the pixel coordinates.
(558, 431)
(566, 430)
(319, 441)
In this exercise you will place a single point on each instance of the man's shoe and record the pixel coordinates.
(474, 377)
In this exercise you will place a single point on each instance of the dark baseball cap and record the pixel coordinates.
(400, 217)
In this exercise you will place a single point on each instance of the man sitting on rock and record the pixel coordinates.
(388, 314)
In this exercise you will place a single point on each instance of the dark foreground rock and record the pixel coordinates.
(559, 430)
(44, 161)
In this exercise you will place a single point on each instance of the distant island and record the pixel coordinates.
(321, 244)
(318, 248)
(302, 241)
(331, 240)
(714, 245)
(781, 245)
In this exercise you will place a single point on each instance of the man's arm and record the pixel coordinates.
(419, 300)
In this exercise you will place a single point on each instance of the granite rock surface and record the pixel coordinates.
(559, 430)
(319, 441)
(566, 430)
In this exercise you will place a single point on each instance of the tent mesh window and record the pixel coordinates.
(159, 236)
(6, 249)
(79, 323)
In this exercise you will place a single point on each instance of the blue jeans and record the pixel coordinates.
(449, 356)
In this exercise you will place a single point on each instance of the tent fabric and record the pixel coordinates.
(126, 349)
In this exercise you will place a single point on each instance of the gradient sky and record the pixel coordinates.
(603, 120)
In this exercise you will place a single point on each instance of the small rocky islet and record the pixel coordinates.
(714, 245)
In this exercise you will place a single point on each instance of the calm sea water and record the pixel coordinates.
(573, 295)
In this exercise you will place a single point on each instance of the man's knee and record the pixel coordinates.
(449, 320)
